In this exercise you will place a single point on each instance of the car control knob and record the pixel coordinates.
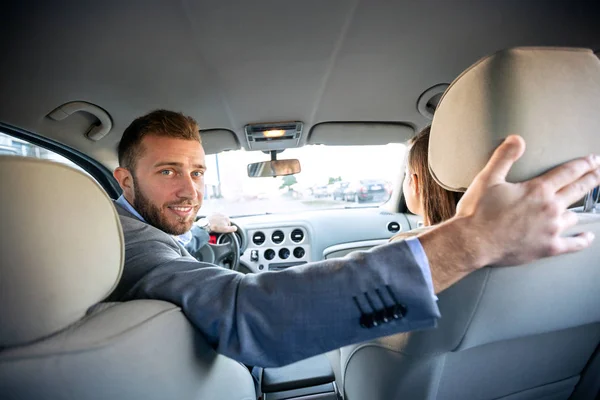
(284, 253)
(299, 252)
(269, 254)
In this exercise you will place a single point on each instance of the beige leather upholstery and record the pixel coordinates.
(505, 333)
(62, 253)
(53, 268)
(547, 95)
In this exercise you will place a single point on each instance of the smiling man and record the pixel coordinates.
(275, 318)
(149, 179)
(156, 186)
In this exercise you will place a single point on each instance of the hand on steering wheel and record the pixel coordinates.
(228, 249)
(220, 223)
(226, 252)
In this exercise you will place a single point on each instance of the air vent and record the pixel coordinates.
(277, 237)
(393, 227)
(258, 238)
(297, 235)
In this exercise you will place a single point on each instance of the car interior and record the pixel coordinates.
(305, 109)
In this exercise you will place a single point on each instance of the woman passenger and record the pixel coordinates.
(424, 196)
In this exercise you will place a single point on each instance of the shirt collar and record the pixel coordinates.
(122, 201)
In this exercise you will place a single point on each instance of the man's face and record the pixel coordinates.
(168, 183)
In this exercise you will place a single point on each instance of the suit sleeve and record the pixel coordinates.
(276, 318)
(200, 238)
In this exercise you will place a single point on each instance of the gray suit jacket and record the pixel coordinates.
(200, 238)
(275, 318)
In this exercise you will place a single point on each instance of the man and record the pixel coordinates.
(275, 318)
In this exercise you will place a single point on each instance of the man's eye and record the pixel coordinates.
(198, 174)
(166, 172)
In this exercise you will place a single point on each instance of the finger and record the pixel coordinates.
(572, 244)
(503, 158)
(568, 172)
(574, 191)
(225, 229)
(569, 219)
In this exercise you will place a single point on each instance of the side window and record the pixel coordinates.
(12, 146)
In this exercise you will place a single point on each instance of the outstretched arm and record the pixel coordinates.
(275, 318)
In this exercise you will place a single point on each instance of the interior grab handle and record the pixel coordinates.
(95, 131)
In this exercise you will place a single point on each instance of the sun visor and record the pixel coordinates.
(359, 133)
(549, 96)
(217, 140)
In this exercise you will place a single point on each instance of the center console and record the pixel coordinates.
(277, 248)
(310, 379)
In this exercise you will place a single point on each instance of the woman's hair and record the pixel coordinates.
(439, 204)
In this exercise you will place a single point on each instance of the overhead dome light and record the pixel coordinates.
(274, 133)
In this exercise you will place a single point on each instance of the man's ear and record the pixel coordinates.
(125, 179)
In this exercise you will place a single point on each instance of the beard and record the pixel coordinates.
(156, 217)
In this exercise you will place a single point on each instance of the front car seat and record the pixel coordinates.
(62, 253)
(505, 333)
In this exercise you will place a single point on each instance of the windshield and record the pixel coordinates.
(331, 177)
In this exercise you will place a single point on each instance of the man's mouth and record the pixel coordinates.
(182, 211)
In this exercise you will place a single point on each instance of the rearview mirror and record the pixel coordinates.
(273, 168)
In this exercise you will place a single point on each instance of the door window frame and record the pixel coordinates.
(99, 172)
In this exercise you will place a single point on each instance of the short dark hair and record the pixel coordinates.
(159, 123)
(439, 204)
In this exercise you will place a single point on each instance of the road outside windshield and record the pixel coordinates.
(331, 177)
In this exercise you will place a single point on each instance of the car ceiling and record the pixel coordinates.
(230, 63)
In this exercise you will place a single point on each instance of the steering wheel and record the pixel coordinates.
(226, 253)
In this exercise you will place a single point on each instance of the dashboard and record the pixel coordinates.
(273, 242)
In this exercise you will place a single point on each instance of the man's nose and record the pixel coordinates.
(187, 188)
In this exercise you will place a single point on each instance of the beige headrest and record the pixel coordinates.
(549, 96)
(61, 247)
